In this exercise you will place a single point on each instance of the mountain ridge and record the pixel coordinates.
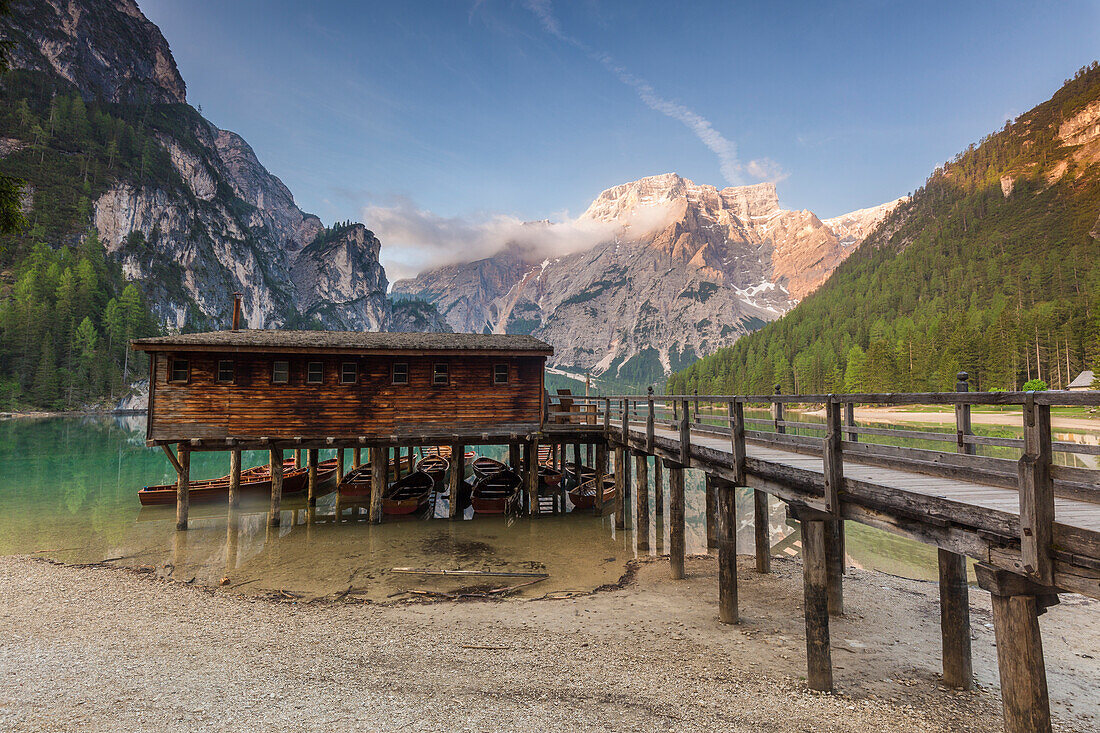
(684, 268)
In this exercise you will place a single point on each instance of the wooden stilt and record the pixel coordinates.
(339, 464)
(711, 512)
(658, 489)
(622, 478)
(379, 459)
(357, 457)
(590, 451)
(819, 664)
(676, 528)
(834, 565)
(513, 457)
(311, 475)
(601, 472)
(234, 479)
(641, 497)
(1017, 605)
(531, 479)
(274, 513)
(763, 531)
(727, 552)
(455, 478)
(183, 485)
(955, 621)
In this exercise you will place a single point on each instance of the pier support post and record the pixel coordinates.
(819, 664)
(311, 475)
(834, 565)
(339, 464)
(641, 523)
(658, 489)
(514, 461)
(1017, 605)
(183, 485)
(455, 479)
(958, 670)
(622, 478)
(711, 512)
(234, 479)
(379, 460)
(601, 474)
(356, 457)
(727, 552)
(274, 513)
(676, 519)
(531, 478)
(762, 529)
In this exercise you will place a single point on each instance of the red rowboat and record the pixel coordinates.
(584, 496)
(497, 493)
(408, 494)
(255, 481)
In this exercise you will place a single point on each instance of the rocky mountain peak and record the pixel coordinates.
(106, 48)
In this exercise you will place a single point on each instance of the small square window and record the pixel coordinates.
(181, 371)
(315, 372)
(500, 374)
(400, 372)
(441, 374)
(280, 372)
(226, 372)
(349, 372)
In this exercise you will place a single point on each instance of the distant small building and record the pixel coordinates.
(1083, 382)
(347, 387)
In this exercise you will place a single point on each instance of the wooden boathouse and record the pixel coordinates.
(1031, 523)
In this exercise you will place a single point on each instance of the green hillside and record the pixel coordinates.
(992, 267)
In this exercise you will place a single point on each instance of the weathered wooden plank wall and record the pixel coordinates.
(253, 407)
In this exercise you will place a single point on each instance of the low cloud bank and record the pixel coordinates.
(415, 240)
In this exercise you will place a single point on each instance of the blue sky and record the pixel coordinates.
(469, 110)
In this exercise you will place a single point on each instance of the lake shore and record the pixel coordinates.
(90, 648)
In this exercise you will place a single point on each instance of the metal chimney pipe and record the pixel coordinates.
(237, 311)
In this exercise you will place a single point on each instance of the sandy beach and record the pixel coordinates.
(99, 649)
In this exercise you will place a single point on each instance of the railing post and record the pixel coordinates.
(963, 426)
(834, 466)
(607, 414)
(685, 434)
(626, 421)
(650, 423)
(737, 440)
(696, 405)
(850, 421)
(1036, 493)
(777, 412)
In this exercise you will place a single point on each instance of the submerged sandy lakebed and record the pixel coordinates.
(98, 649)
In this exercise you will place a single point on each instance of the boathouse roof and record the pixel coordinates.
(274, 340)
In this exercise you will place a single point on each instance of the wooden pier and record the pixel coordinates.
(1031, 524)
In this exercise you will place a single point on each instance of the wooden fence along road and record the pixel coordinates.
(1032, 525)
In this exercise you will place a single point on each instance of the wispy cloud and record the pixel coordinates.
(724, 148)
(416, 240)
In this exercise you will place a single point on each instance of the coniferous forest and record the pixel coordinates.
(992, 267)
(66, 311)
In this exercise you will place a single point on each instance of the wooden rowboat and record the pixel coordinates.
(255, 481)
(579, 473)
(549, 477)
(356, 483)
(485, 466)
(497, 493)
(584, 496)
(408, 494)
(434, 466)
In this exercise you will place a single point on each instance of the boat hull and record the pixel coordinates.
(255, 482)
(584, 496)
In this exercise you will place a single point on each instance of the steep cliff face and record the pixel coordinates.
(687, 269)
(217, 221)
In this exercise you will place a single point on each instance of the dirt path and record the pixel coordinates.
(95, 649)
(886, 414)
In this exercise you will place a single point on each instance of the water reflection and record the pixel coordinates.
(68, 491)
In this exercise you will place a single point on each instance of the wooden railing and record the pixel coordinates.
(1029, 466)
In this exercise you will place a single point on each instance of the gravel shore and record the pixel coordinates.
(96, 649)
